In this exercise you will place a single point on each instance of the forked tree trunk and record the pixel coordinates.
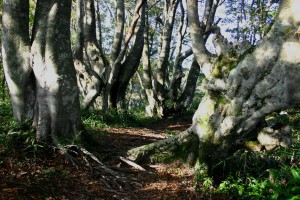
(113, 69)
(16, 57)
(161, 73)
(130, 65)
(57, 110)
(112, 84)
(89, 81)
(264, 80)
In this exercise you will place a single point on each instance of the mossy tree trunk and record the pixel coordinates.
(237, 99)
(263, 81)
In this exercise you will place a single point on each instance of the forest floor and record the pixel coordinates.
(49, 175)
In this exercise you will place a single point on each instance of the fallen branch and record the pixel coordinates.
(133, 164)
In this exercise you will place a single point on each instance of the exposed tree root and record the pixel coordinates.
(115, 182)
(183, 145)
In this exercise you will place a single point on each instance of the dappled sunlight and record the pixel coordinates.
(290, 13)
(265, 53)
(290, 52)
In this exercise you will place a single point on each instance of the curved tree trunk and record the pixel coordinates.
(57, 104)
(163, 61)
(113, 70)
(130, 65)
(179, 57)
(93, 50)
(178, 74)
(119, 30)
(116, 66)
(89, 81)
(261, 83)
(237, 100)
(16, 57)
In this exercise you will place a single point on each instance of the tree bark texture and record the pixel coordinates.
(179, 56)
(94, 52)
(89, 81)
(147, 75)
(263, 81)
(16, 57)
(163, 61)
(57, 109)
(130, 65)
(183, 146)
(117, 64)
(188, 93)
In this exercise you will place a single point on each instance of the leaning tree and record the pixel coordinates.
(238, 94)
(39, 69)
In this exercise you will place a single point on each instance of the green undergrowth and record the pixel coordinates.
(16, 137)
(259, 175)
(105, 119)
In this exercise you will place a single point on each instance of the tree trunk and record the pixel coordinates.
(231, 112)
(147, 75)
(130, 65)
(16, 57)
(178, 74)
(116, 66)
(163, 61)
(179, 56)
(237, 100)
(89, 81)
(183, 146)
(57, 110)
(119, 29)
(187, 95)
(113, 69)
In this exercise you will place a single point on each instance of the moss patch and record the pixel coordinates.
(224, 65)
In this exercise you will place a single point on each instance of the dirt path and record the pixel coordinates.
(35, 177)
(162, 181)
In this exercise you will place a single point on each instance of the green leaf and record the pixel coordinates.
(295, 197)
(296, 175)
(296, 189)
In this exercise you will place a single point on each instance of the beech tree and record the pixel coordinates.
(39, 69)
(100, 72)
(108, 73)
(238, 94)
(166, 58)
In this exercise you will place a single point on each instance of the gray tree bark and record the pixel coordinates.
(147, 75)
(116, 66)
(16, 57)
(130, 65)
(57, 109)
(163, 61)
(263, 81)
(179, 56)
(89, 81)
(188, 93)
